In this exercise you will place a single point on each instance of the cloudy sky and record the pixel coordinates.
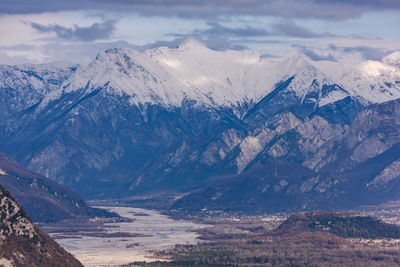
(76, 30)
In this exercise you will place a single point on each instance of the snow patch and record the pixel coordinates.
(375, 68)
(168, 77)
(392, 59)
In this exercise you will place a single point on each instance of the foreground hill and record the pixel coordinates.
(43, 199)
(341, 224)
(22, 243)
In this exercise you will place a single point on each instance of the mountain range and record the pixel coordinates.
(228, 129)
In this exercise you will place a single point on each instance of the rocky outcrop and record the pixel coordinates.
(22, 243)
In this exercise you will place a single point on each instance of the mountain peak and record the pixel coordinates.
(300, 66)
(296, 64)
(113, 55)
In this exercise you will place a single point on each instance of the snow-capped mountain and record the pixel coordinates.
(168, 77)
(26, 85)
(169, 119)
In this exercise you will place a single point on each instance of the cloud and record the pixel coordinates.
(13, 60)
(290, 29)
(19, 47)
(287, 28)
(315, 54)
(365, 52)
(335, 53)
(320, 9)
(80, 52)
(217, 29)
(84, 52)
(214, 43)
(370, 3)
(97, 31)
(368, 53)
(221, 44)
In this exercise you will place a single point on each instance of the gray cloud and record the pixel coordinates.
(221, 44)
(287, 28)
(369, 53)
(13, 60)
(82, 52)
(214, 43)
(320, 9)
(97, 31)
(217, 29)
(19, 47)
(79, 52)
(333, 52)
(371, 3)
(219, 37)
(314, 54)
(290, 29)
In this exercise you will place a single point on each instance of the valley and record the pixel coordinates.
(145, 237)
(277, 241)
(232, 142)
(199, 133)
(134, 237)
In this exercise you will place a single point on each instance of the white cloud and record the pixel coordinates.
(15, 60)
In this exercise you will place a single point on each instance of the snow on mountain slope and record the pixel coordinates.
(392, 59)
(369, 81)
(25, 85)
(169, 76)
(40, 79)
(309, 81)
(167, 118)
(231, 78)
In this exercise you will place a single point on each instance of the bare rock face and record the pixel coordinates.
(14, 221)
(22, 243)
(341, 166)
(373, 132)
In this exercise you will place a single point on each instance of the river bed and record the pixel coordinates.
(149, 231)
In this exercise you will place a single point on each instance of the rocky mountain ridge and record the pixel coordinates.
(172, 120)
(344, 167)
